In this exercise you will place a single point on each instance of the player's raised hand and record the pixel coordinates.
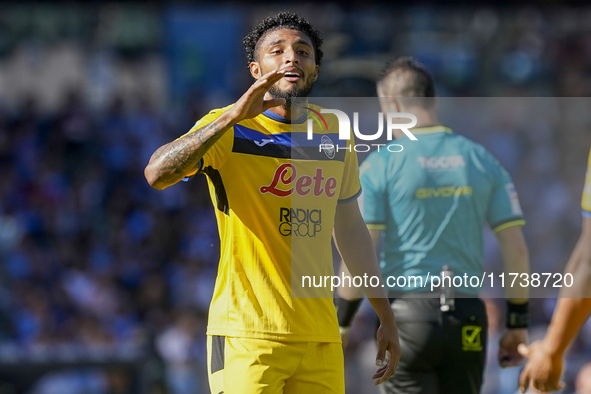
(542, 370)
(388, 343)
(253, 102)
(508, 355)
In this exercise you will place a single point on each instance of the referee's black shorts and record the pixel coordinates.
(442, 353)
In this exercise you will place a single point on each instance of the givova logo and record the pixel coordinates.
(446, 191)
(300, 222)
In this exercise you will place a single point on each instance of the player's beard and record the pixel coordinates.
(304, 91)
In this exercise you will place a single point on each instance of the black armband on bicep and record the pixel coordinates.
(346, 310)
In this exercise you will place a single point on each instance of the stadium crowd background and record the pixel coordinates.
(101, 271)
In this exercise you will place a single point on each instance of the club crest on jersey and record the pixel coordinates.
(329, 149)
(286, 176)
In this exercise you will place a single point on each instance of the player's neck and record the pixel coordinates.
(424, 119)
(290, 113)
(428, 122)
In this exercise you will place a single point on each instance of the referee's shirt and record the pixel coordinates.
(432, 201)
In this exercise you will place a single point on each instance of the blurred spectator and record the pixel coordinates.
(177, 346)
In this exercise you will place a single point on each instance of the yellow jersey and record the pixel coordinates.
(275, 193)
(586, 203)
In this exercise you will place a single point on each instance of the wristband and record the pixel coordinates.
(517, 315)
(346, 309)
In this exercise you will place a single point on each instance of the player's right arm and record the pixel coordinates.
(546, 358)
(177, 159)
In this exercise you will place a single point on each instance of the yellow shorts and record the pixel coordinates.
(257, 366)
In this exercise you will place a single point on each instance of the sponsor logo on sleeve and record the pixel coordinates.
(514, 199)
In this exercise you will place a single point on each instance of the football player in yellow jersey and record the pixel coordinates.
(278, 203)
(546, 357)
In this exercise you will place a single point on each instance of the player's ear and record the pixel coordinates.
(316, 71)
(394, 104)
(255, 70)
(384, 105)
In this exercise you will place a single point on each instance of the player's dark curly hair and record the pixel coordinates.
(280, 20)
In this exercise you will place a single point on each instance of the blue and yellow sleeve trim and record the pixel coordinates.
(352, 198)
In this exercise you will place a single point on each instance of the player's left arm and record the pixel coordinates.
(515, 261)
(579, 265)
(356, 247)
(350, 297)
(352, 292)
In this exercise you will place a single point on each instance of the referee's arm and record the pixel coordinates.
(515, 261)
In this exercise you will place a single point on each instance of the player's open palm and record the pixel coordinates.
(252, 103)
(388, 342)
